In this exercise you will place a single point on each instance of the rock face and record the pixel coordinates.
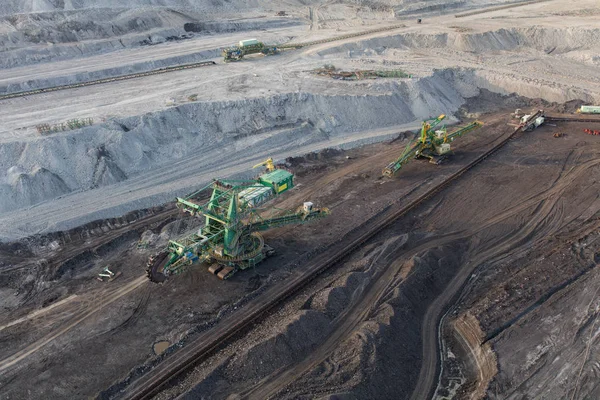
(37, 6)
(33, 38)
(155, 148)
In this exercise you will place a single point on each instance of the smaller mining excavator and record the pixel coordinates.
(429, 143)
(247, 47)
(229, 240)
(531, 121)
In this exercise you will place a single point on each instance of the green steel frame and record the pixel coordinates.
(229, 235)
(427, 142)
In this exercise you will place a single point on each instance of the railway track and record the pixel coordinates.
(108, 80)
(563, 118)
(204, 345)
(183, 66)
(336, 38)
(498, 8)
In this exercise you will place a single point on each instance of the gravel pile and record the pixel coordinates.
(151, 158)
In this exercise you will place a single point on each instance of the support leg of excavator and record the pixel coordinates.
(222, 271)
(226, 272)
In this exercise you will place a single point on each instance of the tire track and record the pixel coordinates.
(180, 67)
(545, 221)
(540, 223)
(108, 80)
(95, 304)
(38, 313)
(207, 343)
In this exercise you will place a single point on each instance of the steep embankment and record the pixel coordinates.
(154, 156)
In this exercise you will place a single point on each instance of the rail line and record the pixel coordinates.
(207, 343)
(563, 118)
(183, 66)
(336, 38)
(108, 80)
(498, 8)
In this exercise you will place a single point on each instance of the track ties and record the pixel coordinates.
(151, 383)
(343, 37)
(108, 80)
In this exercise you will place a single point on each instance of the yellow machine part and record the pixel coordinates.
(268, 163)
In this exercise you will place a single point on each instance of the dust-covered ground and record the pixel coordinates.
(141, 149)
(501, 264)
(355, 332)
(509, 237)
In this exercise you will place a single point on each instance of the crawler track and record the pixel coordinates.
(213, 339)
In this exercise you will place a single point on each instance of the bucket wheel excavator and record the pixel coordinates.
(230, 238)
(429, 143)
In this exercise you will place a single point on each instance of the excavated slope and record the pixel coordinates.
(157, 155)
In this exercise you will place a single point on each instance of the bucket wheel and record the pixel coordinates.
(155, 267)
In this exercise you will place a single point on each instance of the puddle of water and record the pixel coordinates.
(160, 347)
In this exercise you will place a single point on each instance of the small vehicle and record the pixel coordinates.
(107, 275)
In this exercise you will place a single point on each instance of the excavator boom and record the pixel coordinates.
(409, 152)
(465, 129)
(431, 144)
(229, 239)
(295, 218)
(413, 147)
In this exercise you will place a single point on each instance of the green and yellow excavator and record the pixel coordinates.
(230, 239)
(429, 143)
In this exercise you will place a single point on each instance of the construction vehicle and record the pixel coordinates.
(253, 46)
(107, 275)
(229, 240)
(531, 121)
(246, 47)
(330, 70)
(430, 143)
